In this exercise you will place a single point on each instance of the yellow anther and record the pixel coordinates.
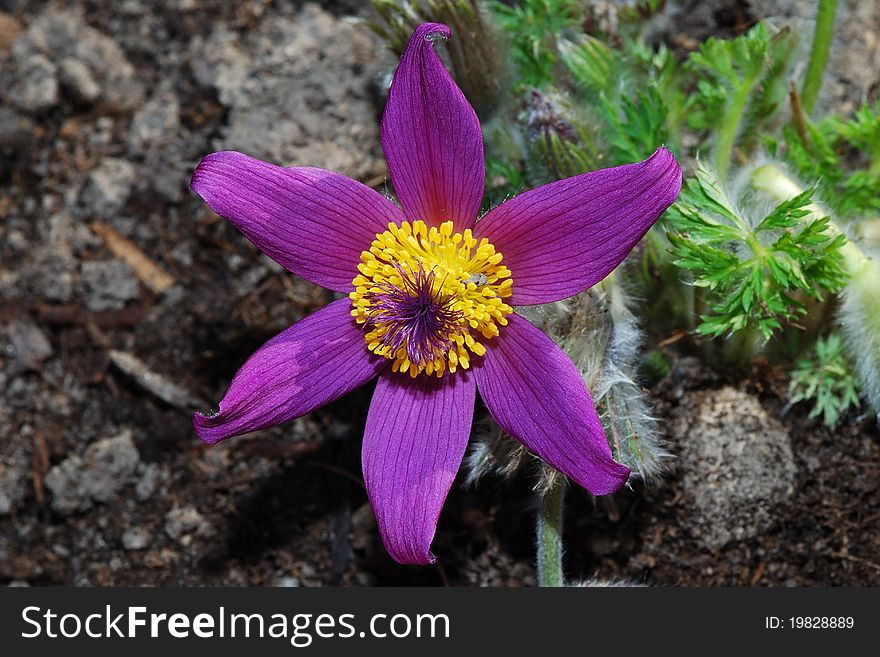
(465, 276)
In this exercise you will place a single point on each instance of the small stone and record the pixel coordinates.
(156, 123)
(29, 345)
(108, 284)
(77, 483)
(57, 34)
(35, 89)
(51, 276)
(108, 188)
(183, 522)
(136, 538)
(298, 90)
(738, 470)
(65, 482)
(288, 582)
(148, 483)
(77, 79)
(110, 463)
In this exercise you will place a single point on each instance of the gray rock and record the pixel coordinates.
(108, 187)
(151, 476)
(166, 148)
(298, 90)
(78, 80)
(136, 538)
(737, 466)
(108, 284)
(156, 124)
(35, 89)
(288, 582)
(29, 345)
(51, 276)
(58, 34)
(221, 63)
(77, 483)
(184, 522)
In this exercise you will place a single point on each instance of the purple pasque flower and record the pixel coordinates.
(430, 298)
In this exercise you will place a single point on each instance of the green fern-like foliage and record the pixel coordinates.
(841, 156)
(825, 377)
(533, 26)
(739, 88)
(752, 271)
(625, 91)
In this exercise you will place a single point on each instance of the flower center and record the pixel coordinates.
(425, 296)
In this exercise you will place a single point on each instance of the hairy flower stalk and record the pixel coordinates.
(860, 311)
(431, 301)
(822, 37)
(550, 544)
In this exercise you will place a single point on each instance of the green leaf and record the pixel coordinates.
(826, 378)
(751, 270)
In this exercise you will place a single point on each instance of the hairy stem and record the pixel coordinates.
(550, 535)
(819, 53)
(729, 128)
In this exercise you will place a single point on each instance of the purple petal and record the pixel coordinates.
(313, 222)
(416, 434)
(315, 361)
(565, 237)
(536, 394)
(432, 138)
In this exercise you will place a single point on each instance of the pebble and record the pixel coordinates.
(108, 284)
(35, 89)
(184, 522)
(298, 90)
(108, 188)
(148, 483)
(737, 466)
(58, 35)
(136, 538)
(79, 482)
(78, 80)
(29, 345)
(288, 582)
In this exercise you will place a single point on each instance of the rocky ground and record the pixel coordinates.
(125, 303)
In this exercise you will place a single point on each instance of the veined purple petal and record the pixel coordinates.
(313, 222)
(565, 237)
(315, 361)
(536, 394)
(432, 138)
(416, 434)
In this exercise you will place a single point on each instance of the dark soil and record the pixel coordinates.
(284, 506)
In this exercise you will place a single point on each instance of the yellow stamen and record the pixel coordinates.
(467, 275)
